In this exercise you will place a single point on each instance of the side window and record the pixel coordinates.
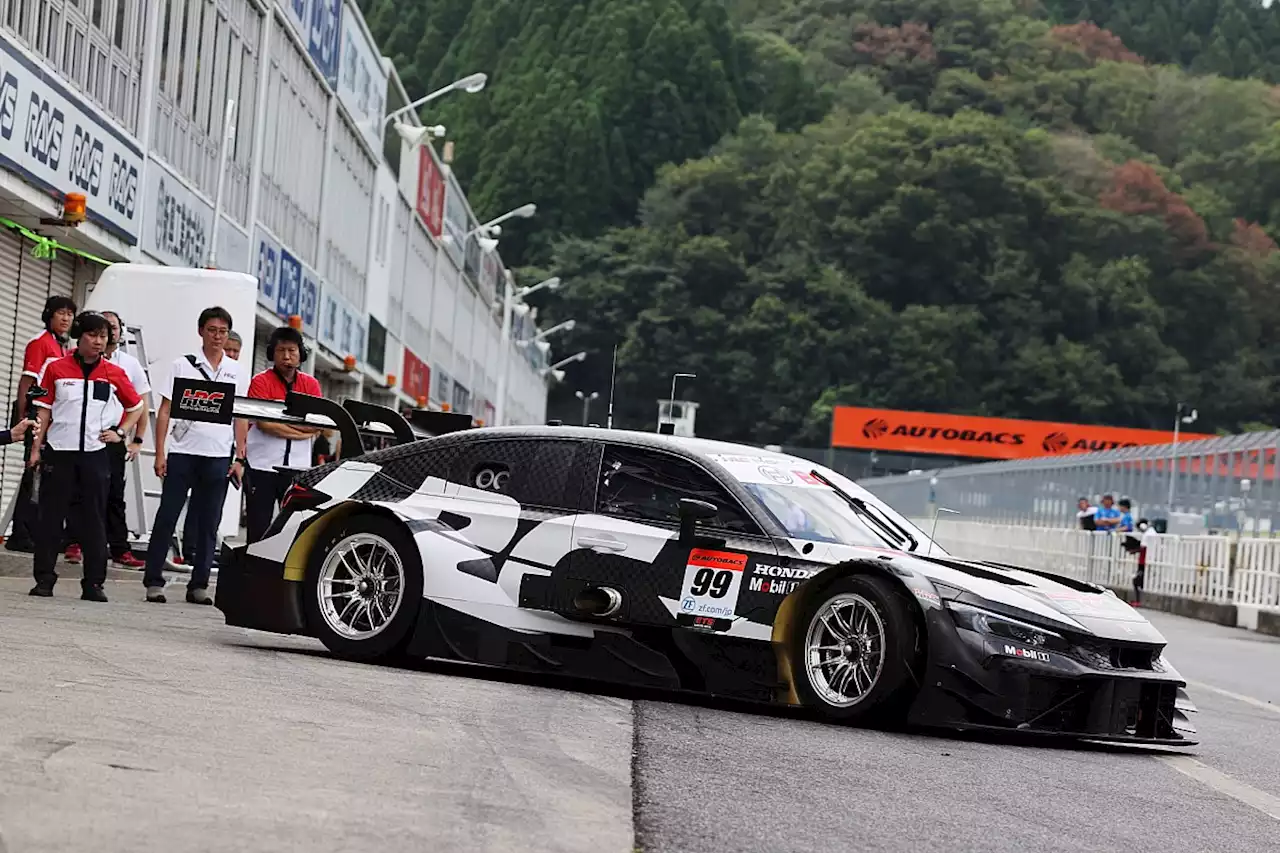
(534, 472)
(644, 485)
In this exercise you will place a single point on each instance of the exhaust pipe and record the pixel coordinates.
(598, 601)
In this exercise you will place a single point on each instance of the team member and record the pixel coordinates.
(196, 459)
(50, 344)
(234, 343)
(268, 444)
(77, 422)
(120, 453)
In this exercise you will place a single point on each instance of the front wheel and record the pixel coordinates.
(363, 588)
(853, 651)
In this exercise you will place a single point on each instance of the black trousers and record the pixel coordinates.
(265, 489)
(117, 511)
(67, 476)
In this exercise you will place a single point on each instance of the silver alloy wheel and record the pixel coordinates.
(360, 586)
(844, 650)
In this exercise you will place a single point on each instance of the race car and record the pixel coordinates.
(680, 563)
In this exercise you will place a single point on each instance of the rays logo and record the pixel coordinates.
(875, 428)
(1055, 442)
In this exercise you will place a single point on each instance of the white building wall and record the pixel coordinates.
(131, 101)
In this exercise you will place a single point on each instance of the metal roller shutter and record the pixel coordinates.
(25, 283)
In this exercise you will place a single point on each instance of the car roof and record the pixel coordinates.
(698, 446)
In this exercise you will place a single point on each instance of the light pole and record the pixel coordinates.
(1178, 419)
(544, 372)
(566, 326)
(228, 138)
(470, 84)
(671, 403)
(509, 297)
(586, 403)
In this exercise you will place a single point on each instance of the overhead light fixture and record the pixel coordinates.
(487, 244)
(472, 83)
(414, 135)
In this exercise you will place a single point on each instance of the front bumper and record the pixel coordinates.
(253, 593)
(977, 681)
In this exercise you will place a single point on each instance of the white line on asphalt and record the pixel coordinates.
(1222, 783)
(1239, 697)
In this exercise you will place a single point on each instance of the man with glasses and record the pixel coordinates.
(196, 459)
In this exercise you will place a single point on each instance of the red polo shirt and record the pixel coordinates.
(41, 349)
(266, 451)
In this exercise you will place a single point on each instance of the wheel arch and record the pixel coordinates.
(785, 620)
(299, 556)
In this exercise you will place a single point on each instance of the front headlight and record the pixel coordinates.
(1006, 627)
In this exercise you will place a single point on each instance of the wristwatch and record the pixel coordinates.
(118, 431)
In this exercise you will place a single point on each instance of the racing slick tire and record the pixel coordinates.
(853, 650)
(363, 588)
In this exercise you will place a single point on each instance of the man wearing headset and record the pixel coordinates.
(121, 454)
(268, 445)
(77, 422)
(52, 343)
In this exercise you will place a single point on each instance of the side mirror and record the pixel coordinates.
(691, 512)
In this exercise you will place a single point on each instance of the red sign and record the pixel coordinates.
(416, 381)
(986, 438)
(430, 192)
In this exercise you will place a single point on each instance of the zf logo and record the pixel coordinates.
(43, 140)
(86, 161)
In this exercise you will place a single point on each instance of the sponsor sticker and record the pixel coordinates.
(1029, 654)
(712, 583)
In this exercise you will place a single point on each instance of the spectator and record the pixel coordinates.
(234, 343)
(1086, 513)
(196, 460)
(1149, 538)
(269, 444)
(120, 454)
(50, 344)
(1107, 516)
(77, 422)
(1126, 516)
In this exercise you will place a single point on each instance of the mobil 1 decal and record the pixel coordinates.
(712, 581)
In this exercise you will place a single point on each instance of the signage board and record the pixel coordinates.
(286, 286)
(179, 224)
(56, 140)
(986, 438)
(456, 220)
(416, 380)
(430, 192)
(362, 84)
(318, 24)
(204, 401)
(375, 352)
(341, 327)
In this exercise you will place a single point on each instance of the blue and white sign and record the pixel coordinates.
(285, 285)
(58, 142)
(178, 225)
(319, 26)
(362, 84)
(342, 327)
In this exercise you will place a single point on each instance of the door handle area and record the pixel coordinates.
(602, 544)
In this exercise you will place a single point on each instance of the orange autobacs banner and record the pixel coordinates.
(986, 438)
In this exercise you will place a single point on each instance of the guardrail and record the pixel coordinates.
(1219, 569)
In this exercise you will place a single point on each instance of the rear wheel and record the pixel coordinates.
(853, 649)
(364, 587)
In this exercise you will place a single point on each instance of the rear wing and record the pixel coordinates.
(216, 402)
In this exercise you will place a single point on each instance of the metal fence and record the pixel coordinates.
(1225, 484)
(1220, 569)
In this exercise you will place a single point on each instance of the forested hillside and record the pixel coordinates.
(979, 206)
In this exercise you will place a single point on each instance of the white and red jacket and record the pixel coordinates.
(263, 451)
(80, 400)
(42, 349)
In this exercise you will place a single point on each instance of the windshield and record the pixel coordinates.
(817, 514)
